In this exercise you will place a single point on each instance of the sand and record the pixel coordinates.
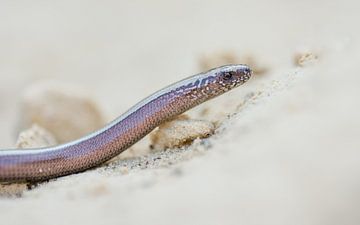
(287, 151)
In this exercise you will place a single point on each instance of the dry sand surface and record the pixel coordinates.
(288, 153)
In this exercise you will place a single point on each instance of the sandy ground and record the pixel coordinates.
(289, 154)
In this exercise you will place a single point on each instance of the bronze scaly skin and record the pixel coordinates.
(100, 146)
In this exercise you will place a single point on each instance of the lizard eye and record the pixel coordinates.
(228, 75)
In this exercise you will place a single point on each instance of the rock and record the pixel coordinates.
(35, 137)
(180, 132)
(64, 110)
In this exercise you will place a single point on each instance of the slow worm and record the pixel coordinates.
(102, 145)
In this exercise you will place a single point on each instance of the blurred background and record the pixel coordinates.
(121, 51)
(115, 48)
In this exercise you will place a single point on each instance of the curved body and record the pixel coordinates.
(102, 145)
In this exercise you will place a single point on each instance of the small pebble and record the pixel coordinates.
(305, 58)
(124, 170)
(12, 190)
